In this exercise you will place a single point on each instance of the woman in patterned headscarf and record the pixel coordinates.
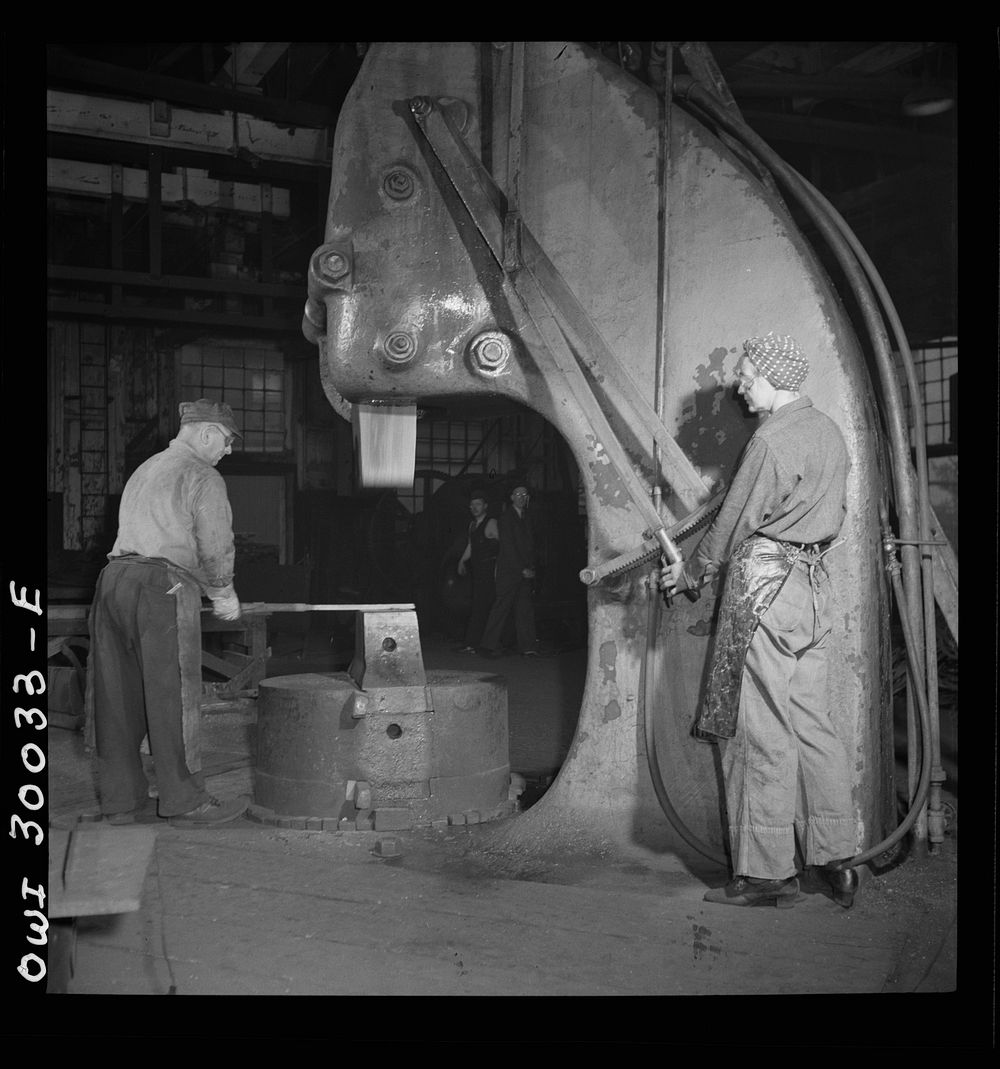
(786, 770)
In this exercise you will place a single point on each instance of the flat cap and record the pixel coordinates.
(205, 411)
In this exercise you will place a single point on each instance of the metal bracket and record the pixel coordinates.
(512, 257)
(331, 270)
(552, 307)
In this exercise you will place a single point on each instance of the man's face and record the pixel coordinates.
(220, 443)
(477, 506)
(519, 497)
(755, 390)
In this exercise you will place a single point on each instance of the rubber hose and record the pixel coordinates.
(652, 627)
(834, 229)
(925, 729)
(828, 219)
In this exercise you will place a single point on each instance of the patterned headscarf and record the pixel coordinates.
(779, 359)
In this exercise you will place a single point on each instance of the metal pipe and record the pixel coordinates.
(925, 726)
(935, 816)
(663, 256)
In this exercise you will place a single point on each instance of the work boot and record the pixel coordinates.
(211, 812)
(749, 891)
(843, 882)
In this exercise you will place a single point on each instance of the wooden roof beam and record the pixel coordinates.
(146, 86)
(249, 63)
(856, 137)
(830, 87)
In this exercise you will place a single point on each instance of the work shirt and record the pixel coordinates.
(175, 507)
(790, 486)
(517, 544)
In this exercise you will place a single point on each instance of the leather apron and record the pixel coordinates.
(186, 591)
(757, 571)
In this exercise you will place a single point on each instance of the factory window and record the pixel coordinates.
(445, 448)
(251, 381)
(936, 367)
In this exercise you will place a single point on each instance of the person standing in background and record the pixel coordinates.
(480, 557)
(515, 579)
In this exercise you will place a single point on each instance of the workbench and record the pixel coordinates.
(242, 669)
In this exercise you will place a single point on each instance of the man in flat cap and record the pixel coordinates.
(786, 771)
(175, 544)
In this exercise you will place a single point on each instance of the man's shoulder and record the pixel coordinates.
(177, 463)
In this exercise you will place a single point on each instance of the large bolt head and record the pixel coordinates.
(333, 265)
(398, 184)
(421, 106)
(490, 351)
(400, 347)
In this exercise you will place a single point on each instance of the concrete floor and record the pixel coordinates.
(251, 909)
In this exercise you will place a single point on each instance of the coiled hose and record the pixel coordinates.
(648, 696)
(859, 271)
(652, 629)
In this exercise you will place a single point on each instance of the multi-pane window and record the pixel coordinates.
(936, 367)
(489, 449)
(251, 381)
(444, 447)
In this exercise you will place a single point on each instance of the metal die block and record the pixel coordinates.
(385, 435)
(306, 741)
(387, 645)
(396, 794)
(394, 744)
(470, 723)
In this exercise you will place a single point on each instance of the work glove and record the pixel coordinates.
(226, 607)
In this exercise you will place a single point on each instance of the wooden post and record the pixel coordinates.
(267, 242)
(117, 228)
(155, 213)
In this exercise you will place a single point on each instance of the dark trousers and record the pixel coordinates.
(483, 595)
(137, 691)
(513, 596)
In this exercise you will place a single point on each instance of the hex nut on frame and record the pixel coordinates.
(399, 184)
(333, 265)
(400, 347)
(490, 352)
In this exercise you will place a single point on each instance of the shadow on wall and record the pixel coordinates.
(715, 424)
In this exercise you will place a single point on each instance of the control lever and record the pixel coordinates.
(673, 556)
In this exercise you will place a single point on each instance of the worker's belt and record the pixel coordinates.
(818, 547)
(137, 558)
(176, 571)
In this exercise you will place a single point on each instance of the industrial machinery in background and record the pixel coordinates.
(527, 222)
